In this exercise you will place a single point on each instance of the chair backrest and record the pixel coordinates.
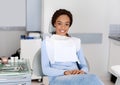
(87, 63)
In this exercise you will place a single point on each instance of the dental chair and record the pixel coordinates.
(44, 78)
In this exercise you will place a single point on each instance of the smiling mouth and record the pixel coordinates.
(62, 31)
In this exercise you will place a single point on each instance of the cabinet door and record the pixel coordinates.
(33, 15)
(114, 58)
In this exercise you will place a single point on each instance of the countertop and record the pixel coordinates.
(115, 37)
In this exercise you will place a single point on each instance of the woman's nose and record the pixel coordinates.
(63, 26)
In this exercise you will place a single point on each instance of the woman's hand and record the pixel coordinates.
(73, 72)
(67, 72)
(77, 72)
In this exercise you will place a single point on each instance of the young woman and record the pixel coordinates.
(62, 57)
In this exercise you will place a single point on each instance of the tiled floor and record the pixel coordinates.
(106, 82)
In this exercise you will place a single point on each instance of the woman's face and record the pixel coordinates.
(62, 25)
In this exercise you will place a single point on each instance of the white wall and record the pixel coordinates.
(90, 16)
(12, 13)
(114, 11)
(9, 42)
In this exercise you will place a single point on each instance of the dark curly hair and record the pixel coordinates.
(59, 13)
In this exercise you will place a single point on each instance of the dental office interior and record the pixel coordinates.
(95, 22)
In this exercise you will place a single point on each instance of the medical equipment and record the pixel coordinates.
(30, 49)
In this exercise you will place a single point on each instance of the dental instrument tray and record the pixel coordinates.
(13, 67)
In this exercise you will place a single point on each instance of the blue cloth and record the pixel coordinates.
(55, 71)
(81, 79)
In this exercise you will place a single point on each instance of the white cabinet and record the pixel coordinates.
(30, 49)
(114, 53)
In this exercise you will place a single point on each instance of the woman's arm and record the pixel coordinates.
(83, 64)
(46, 68)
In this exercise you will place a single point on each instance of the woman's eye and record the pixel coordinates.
(59, 23)
(67, 24)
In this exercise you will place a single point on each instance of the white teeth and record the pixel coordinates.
(62, 31)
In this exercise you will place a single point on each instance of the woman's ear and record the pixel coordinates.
(51, 28)
(54, 25)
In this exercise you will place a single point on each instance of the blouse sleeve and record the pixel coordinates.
(83, 64)
(46, 67)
